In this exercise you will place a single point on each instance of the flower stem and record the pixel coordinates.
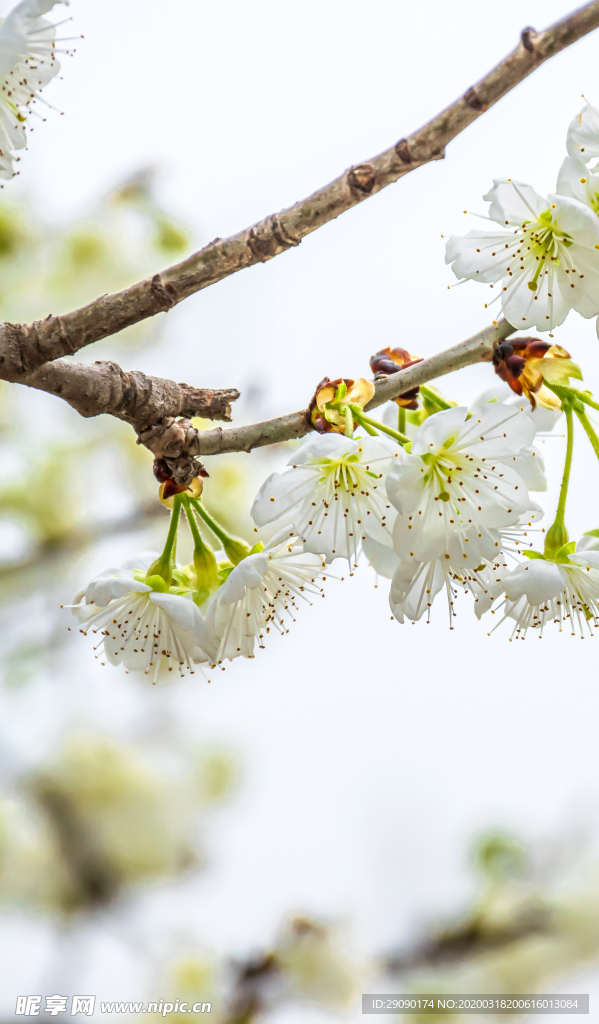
(590, 431)
(163, 566)
(557, 534)
(234, 548)
(204, 559)
(198, 541)
(367, 421)
(401, 419)
(435, 397)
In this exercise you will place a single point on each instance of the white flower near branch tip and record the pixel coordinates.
(381, 557)
(566, 593)
(142, 628)
(454, 491)
(416, 584)
(27, 63)
(333, 494)
(529, 463)
(546, 257)
(582, 140)
(543, 420)
(259, 594)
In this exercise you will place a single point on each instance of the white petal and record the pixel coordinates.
(478, 256)
(183, 612)
(535, 579)
(576, 219)
(529, 465)
(544, 309)
(588, 543)
(438, 428)
(289, 490)
(404, 482)
(108, 588)
(513, 202)
(323, 446)
(499, 430)
(583, 134)
(248, 573)
(382, 557)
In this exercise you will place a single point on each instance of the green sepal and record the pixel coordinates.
(224, 571)
(182, 578)
(161, 568)
(555, 539)
(533, 554)
(591, 533)
(257, 548)
(563, 555)
(157, 583)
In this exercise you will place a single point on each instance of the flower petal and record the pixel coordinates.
(513, 202)
(537, 580)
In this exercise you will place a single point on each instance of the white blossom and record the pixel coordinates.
(382, 557)
(333, 494)
(545, 258)
(416, 584)
(27, 63)
(141, 628)
(529, 464)
(582, 141)
(539, 591)
(260, 593)
(454, 491)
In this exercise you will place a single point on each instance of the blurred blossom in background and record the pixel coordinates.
(361, 808)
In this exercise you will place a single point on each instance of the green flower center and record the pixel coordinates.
(348, 473)
(544, 238)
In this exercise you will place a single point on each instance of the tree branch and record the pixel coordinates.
(158, 410)
(25, 347)
(142, 401)
(477, 349)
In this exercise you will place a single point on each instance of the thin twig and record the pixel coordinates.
(477, 349)
(25, 347)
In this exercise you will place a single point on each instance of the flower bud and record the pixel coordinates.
(205, 572)
(330, 407)
(390, 360)
(526, 363)
(555, 539)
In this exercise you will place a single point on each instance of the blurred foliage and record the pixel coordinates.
(102, 817)
(46, 269)
(307, 965)
(526, 930)
(61, 489)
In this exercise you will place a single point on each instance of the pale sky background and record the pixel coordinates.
(372, 753)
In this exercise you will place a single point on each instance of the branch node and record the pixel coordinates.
(473, 100)
(282, 235)
(262, 244)
(402, 148)
(362, 179)
(164, 293)
(527, 38)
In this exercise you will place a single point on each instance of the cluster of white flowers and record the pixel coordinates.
(440, 505)
(147, 628)
(545, 258)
